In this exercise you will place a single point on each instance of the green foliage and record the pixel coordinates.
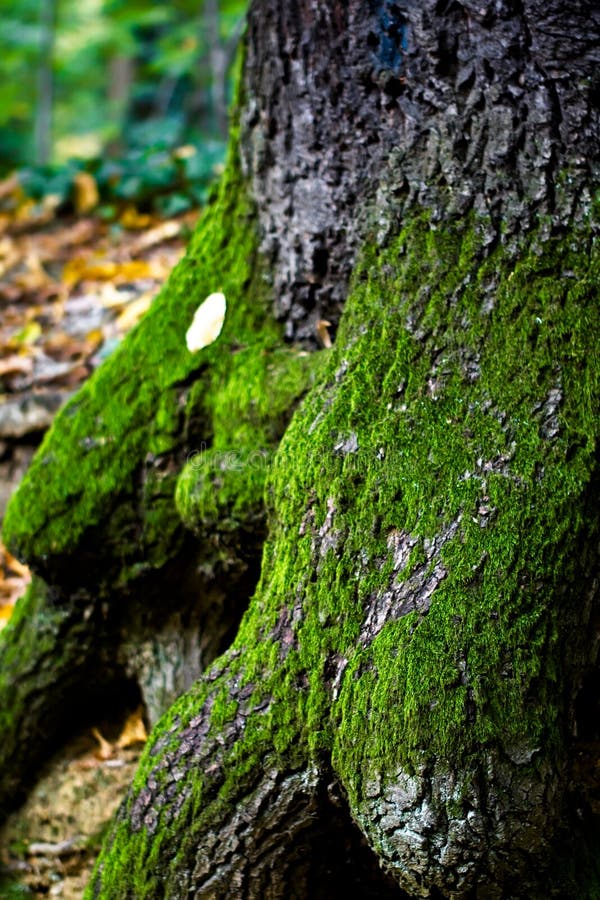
(11, 890)
(156, 179)
(161, 94)
(19, 41)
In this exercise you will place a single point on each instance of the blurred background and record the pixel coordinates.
(113, 87)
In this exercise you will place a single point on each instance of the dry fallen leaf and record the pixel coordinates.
(323, 334)
(134, 311)
(86, 192)
(133, 220)
(134, 731)
(14, 578)
(105, 748)
(16, 364)
(166, 231)
(11, 187)
(82, 269)
(6, 611)
(33, 277)
(63, 347)
(79, 232)
(36, 213)
(93, 339)
(9, 255)
(207, 323)
(112, 298)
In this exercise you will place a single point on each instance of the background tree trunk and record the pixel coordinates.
(410, 688)
(45, 83)
(219, 66)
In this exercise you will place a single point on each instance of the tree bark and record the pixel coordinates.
(218, 66)
(45, 84)
(409, 697)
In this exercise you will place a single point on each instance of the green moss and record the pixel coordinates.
(34, 632)
(222, 486)
(450, 400)
(107, 469)
(436, 415)
(90, 461)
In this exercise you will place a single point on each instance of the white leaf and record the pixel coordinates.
(207, 323)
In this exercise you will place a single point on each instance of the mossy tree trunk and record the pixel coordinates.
(410, 698)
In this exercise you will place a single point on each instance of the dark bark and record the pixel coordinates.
(410, 687)
(358, 112)
(56, 677)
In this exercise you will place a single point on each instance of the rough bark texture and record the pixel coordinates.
(320, 121)
(409, 690)
(359, 112)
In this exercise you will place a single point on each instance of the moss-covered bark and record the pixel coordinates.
(37, 672)
(112, 459)
(421, 627)
(96, 517)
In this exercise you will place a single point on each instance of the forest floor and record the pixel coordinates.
(70, 287)
(49, 846)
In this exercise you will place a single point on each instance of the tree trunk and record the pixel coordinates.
(45, 83)
(218, 65)
(121, 74)
(409, 704)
